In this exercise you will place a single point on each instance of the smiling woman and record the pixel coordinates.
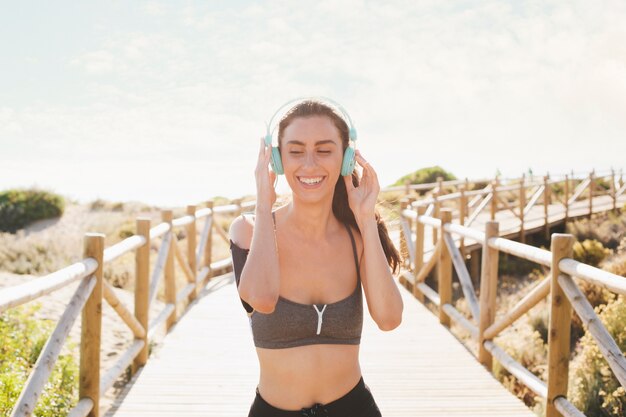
(305, 306)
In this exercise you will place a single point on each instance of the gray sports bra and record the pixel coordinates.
(294, 324)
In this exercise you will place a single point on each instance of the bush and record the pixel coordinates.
(607, 228)
(23, 338)
(526, 346)
(593, 387)
(426, 175)
(19, 208)
(514, 265)
(590, 252)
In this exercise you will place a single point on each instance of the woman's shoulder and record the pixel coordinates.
(240, 231)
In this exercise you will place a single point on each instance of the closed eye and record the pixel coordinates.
(297, 153)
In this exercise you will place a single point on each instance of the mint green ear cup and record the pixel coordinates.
(347, 166)
(275, 161)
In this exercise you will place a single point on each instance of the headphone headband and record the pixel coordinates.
(270, 131)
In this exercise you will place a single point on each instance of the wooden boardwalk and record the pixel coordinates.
(207, 366)
(534, 221)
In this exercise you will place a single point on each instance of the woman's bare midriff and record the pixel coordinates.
(302, 376)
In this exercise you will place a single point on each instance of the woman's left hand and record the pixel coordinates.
(362, 199)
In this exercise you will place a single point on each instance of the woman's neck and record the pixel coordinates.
(312, 221)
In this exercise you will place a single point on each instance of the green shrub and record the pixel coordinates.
(426, 175)
(590, 252)
(514, 265)
(23, 338)
(593, 387)
(19, 208)
(104, 205)
(607, 228)
(526, 346)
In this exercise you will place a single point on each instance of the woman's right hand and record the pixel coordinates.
(265, 177)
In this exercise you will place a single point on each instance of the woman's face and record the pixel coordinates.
(311, 153)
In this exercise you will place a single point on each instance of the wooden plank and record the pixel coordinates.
(214, 372)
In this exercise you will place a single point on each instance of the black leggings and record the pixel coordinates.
(359, 402)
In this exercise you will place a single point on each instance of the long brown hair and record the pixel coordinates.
(341, 207)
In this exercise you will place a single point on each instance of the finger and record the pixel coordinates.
(367, 167)
(348, 181)
(361, 160)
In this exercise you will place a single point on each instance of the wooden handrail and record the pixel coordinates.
(562, 267)
(25, 405)
(93, 290)
(606, 343)
(611, 282)
(19, 294)
(198, 267)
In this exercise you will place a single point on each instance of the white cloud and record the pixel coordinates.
(473, 87)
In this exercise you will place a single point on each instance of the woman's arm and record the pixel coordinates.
(383, 297)
(259, 283)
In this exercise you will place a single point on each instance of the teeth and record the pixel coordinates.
(310, 180)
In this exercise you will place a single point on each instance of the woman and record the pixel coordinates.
(300, 269)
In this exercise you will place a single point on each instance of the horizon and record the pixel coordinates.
(164, 102)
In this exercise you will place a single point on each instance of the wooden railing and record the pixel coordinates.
(562, 288)
(195, 261)
(519, 196)
(198, 267)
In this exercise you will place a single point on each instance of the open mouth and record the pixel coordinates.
(311, 182)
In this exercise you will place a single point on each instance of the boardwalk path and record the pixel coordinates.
(207, 366)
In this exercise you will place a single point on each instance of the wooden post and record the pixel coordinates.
(404, 248)
(209, 245)
(91, 328)
(437, 211)
(191, 250)
(613, 190)
(407, 187)
(560, 322)
(592, 184)
(169, 272)
(488, 289)
(142, 289)
(546, 204)
(444, 269)
(409, 205)
(462, 214)
(522, 206)
(419, 251)
(494, 199)
(566, 199)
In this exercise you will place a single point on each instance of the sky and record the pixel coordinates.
(165, 102)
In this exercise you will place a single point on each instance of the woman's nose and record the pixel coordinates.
(309, 159)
